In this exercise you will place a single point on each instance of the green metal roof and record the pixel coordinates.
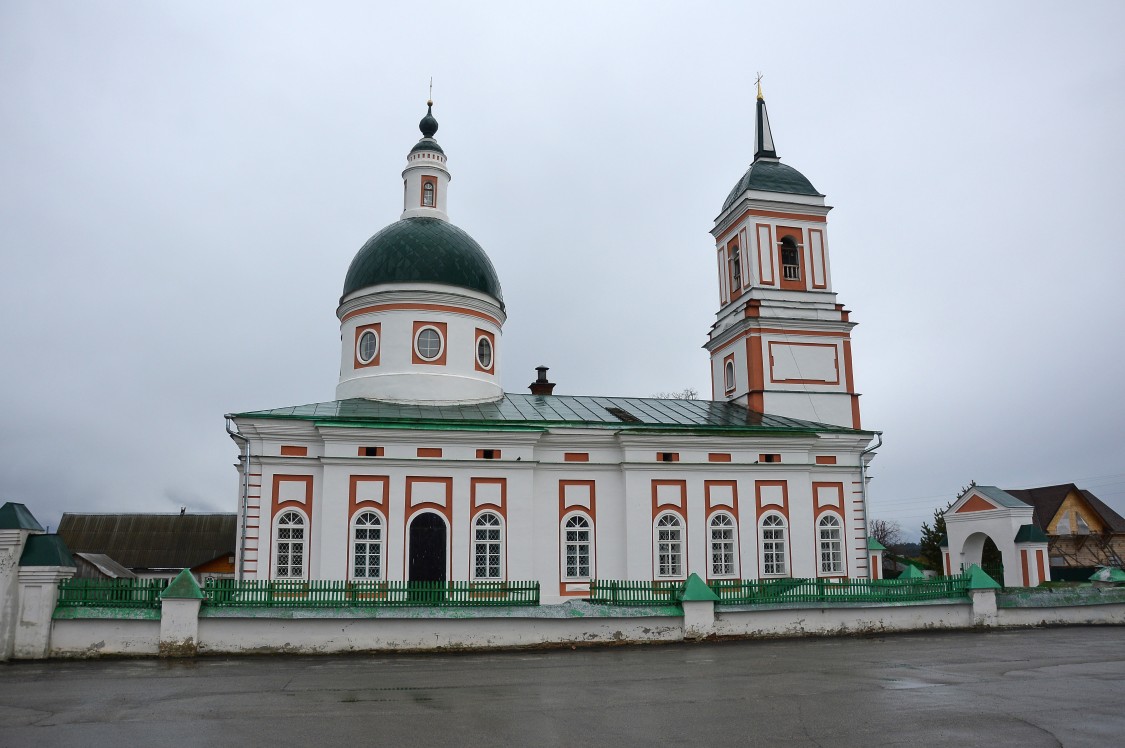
(771, 176)
(1030, 534)
(537, 412)
(874, 545)
(696, 590)
(427, 144)
(183, 587)
(15, 516)
(423, 250)
(979, 579)
(46, 550)
(1001, 497)
(911, 572)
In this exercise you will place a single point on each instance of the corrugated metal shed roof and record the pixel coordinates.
(524, 411)
(152, 541)
(107, 565)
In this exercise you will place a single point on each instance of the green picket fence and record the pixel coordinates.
(367, 594)
(786, 590)
(114, 593)
(619, 592)
(752, 592)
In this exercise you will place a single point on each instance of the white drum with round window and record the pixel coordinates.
(367, 347)
(428, 343)
(484, 352)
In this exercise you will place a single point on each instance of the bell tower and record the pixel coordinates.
(781, 344)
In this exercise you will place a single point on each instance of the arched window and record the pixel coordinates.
(577, 548)
(290, 546)
(831, 543)
(735, 267)
(367, 546)
(723, 560)
(487, 546)
(728, 376)
(773, 546)
(790, 259)
(428, 194)
(669, 546)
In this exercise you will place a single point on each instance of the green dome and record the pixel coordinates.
(423, 250)
(427, 144)
(771, 176)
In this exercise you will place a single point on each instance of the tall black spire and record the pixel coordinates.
(765, 147)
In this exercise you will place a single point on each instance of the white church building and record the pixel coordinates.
(424, 468)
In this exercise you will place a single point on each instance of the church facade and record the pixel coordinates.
(424, 468)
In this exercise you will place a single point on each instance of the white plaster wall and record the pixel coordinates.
(320, 635)
(851, 620)
(92, 637)
(398, 378)
(815, 405)
(1079, 615)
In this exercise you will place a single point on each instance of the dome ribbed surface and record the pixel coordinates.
(423, 250)
(427, 144)
(771, 176)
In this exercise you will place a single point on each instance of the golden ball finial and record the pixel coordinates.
(429, 102)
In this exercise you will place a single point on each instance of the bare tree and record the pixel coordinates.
(688, 393)
(887, 532)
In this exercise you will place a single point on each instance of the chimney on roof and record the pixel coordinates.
(541, 386)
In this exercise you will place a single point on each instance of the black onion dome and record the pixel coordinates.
(423, 250)
(428, 125)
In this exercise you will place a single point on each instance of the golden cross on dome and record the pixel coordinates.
(430, 99)
(758, 81)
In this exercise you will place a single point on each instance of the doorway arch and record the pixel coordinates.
(428, 548)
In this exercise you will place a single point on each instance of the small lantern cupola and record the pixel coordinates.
(426, 178)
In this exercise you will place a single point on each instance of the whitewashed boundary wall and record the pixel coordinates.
(245, 631)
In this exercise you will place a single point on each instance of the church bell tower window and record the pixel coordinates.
(428, 194)
(790, 260)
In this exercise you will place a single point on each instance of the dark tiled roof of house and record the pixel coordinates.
(1046, 501)
(152, 541)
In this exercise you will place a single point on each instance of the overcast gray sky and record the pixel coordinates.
(184, 184)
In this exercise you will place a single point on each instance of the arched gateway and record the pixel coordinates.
(986, 513)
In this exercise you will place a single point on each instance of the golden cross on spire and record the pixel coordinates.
(758, 81)
(430, 100)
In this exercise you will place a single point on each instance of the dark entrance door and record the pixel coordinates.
(427, 548)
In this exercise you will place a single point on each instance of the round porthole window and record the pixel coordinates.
(428, 343)
(484, 352)
(367, 347)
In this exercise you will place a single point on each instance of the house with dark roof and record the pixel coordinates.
(1082, 531)
(151, 546)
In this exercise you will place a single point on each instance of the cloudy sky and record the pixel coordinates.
(184, 184)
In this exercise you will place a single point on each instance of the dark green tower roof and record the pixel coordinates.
(423, 250)
(771, 176)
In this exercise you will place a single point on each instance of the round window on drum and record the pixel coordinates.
(484, 352)
(367, 347)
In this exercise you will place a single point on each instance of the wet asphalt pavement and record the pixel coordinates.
(1043, 687)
